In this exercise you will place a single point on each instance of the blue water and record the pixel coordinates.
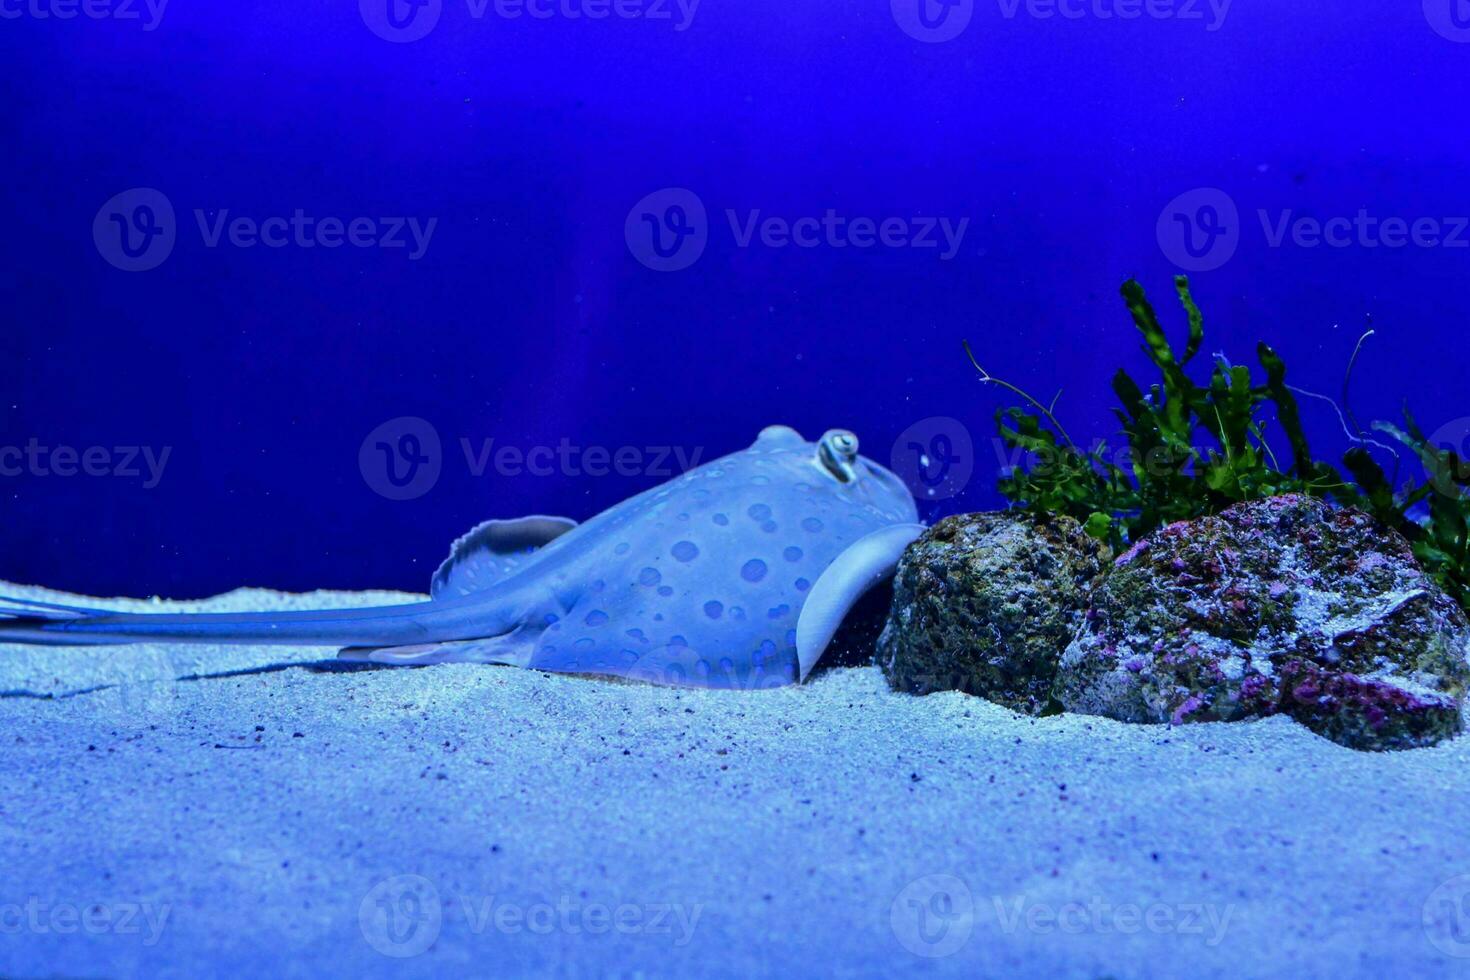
(529, 311)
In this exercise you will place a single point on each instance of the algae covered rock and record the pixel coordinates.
(1283, 605)
(985, 604)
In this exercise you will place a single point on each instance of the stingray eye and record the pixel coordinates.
(837, 452)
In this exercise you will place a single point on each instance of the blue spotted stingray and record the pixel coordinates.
(734, 575)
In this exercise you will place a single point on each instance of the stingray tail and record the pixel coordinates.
(49, 623)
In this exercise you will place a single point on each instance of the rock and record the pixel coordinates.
(1283, 605)
(985, 604)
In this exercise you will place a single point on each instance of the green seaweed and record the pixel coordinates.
(1441, 541)
(1192, 449)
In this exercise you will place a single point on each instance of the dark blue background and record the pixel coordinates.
(529, 321)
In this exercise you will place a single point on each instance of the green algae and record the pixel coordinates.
(1191, 448)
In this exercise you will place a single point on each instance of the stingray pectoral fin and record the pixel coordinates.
(864, 564)
(512, 649)
(493, 550)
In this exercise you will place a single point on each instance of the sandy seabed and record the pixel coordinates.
(211, 811)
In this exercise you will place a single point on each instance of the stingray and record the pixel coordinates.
(736, 574)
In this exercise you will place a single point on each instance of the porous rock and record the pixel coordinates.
(985, 603)
(1283, 605)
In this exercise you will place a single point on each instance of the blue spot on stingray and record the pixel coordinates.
(585, 643)
(596, 618)
(665, 591)
(649, 576)
(802, 585)
(721, 520)
(622, 549)
(759, 512)
(769, 527)
(777, 612)
(753, 570)
(811, 524)
(737, 613)
(684, 551)
(714, 609)
(792, 553)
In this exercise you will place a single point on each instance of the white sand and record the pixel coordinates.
(673, 832)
